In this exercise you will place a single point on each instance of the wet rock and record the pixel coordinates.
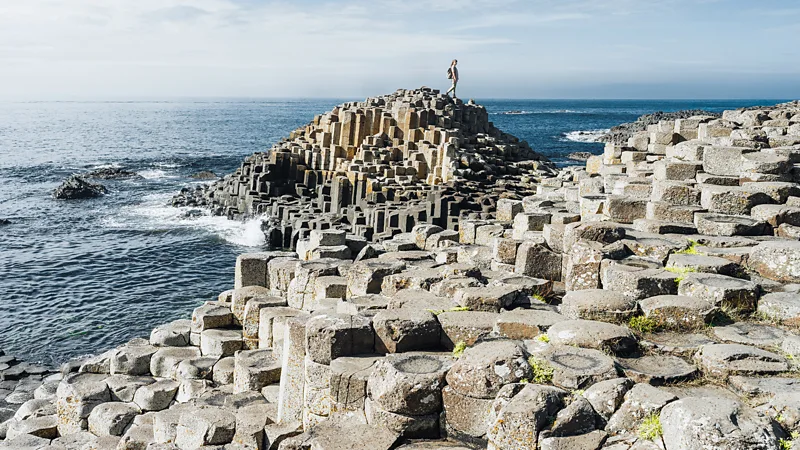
(111, 173)
(77, 187)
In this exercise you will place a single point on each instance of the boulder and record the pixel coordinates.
(697, 423)
(577, 368)
(403, 330)
(733, 359)
(640, 402)
(592, 334)
(777, 260)
(524, 417)
(408, 384)
(111, 419)
(76, 187)
(597, 304)
(483, 369)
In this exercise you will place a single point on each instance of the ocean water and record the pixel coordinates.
(79, 277)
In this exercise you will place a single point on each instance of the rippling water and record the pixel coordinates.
(77, 277)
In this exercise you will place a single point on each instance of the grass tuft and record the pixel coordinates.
(643, 325)
(458, 350)
(650, 429)
(542, 338)
(785, 444)
(542, 372)
(692, 250)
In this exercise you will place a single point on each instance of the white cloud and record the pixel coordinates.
(355, 47)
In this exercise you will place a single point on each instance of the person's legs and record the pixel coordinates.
(452, 89)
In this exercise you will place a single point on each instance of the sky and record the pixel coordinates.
(72, 49)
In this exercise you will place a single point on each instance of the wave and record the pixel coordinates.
(155, 214)
(155, 174)
(585, 136)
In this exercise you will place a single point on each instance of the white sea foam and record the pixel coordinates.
(154, 214)
(584, 136)
(155, 174)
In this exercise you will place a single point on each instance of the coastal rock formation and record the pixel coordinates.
(77, 187)
(204, 175)
(621, 133)
(644, 301)
(111, 173)
(377, 168)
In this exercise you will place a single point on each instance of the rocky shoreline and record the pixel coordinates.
(621, 133)
(647, 300)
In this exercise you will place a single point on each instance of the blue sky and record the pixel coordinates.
(55, 49)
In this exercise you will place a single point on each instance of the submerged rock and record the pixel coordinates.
(4, 222)
(204, 175)
(111, 173)
(77, 187)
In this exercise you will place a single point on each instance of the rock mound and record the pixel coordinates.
(111, 173)
(374, 167)
(77, 187)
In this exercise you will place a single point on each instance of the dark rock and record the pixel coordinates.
(4, 222)
(111, 173)
(76, 187)
(192, 213)
(204, 175)
(579, 156)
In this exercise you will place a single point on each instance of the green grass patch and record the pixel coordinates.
(542, 372)
(458, 350)
(650, 429)
(692, 250)
(785, 444)
(542, 338)
(642, 324)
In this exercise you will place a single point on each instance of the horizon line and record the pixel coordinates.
(202, 99)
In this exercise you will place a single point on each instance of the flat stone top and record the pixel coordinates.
(418, 364)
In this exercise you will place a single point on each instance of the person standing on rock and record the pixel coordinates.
(452, 74)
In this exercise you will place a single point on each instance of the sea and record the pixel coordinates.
(79, 277)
